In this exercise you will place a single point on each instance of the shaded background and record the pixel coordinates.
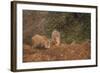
(72, 26)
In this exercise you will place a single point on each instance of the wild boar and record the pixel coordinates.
(40, 41)
(55, 38)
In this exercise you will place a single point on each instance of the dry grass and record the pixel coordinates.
(63, 52)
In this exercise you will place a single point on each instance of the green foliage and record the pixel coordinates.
(72, 26)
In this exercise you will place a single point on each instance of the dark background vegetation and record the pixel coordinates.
(75, 30)
(72, 26)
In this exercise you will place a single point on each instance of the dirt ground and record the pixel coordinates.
(72, 51)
